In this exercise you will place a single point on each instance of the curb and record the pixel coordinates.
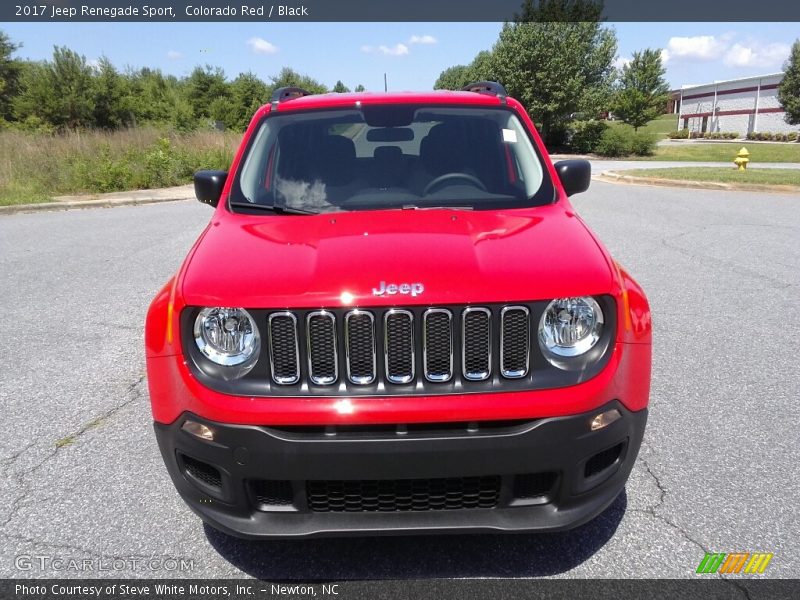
(112, 200)
(614, 177)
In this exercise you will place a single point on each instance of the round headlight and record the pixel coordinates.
(570, 327)
(227, 336)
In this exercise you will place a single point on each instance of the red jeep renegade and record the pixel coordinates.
(396, 322)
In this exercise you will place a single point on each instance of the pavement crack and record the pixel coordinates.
(131, 394)
(653, 512)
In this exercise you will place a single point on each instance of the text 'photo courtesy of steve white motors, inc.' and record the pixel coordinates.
(98, 589)
(160, 12)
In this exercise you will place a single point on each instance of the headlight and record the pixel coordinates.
(228, 337)
(570, 327)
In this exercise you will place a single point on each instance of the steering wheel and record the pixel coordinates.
(470, 179)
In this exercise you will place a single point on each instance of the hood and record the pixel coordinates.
(424, 256)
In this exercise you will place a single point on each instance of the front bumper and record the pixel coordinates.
(281, 482)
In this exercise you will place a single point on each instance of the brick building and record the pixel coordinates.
(740, 105)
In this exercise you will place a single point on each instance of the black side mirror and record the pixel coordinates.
(208, 186)
(575, 175)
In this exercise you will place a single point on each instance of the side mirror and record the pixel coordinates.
(208, 186)
(575, 175)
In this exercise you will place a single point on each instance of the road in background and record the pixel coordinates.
(83, 477)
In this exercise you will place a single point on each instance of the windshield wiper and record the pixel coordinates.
(444, 207)
(281, 210)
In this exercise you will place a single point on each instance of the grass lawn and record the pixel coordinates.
(660, 126)
(704, 151)
(716, 174)
(34, 167)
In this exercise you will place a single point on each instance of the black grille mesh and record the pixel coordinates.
(283, 347)
(322, 348)
(399, 347)
(361, 346)
(533, 485)
(397, 495)
(476, 344)
(516, 344)
(272, 492)
(602, 460)
(438, 346)
(202, 471)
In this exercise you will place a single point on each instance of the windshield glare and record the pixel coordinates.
(392, 157)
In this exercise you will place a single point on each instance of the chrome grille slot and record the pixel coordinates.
(283, 348)
(476, 343)
(323, 360)
(437, 344)
(514, 341)
(359, 328)
(399, 345)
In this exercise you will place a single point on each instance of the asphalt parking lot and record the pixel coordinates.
(717, 472)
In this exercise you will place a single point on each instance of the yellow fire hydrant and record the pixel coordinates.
(742, 159)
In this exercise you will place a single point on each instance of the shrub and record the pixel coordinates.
(792, 136)
(624, 141)
(586, 135)
(643, 143)
(680, 134)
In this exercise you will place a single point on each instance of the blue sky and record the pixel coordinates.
(412, 54)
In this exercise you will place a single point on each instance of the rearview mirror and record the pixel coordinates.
(208, 186)
(575, 175)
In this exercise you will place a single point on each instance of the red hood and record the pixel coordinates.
(458, 256)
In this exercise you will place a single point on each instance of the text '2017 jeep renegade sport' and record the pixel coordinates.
(396, 322)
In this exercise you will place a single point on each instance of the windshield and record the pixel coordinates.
(382, 157)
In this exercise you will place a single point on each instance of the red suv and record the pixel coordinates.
(396, 322)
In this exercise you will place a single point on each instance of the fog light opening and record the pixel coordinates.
(199, 430)
(605, 419)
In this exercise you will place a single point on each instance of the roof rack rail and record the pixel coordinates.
(287, 93)
(487, 87)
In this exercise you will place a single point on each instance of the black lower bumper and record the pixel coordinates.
(538, 475)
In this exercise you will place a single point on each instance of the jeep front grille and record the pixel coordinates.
(403, 336)
(411, 350)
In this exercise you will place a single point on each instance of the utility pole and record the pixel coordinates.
(385, 85)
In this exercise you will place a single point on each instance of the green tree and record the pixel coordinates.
(789, 88)
(291, 78)
(643, 92)
(360, 88)
(247, 94)
(557, 68)
(204, 86)
(453, 78)
(480, 69)
(340, 88)
(110, 97)
(59, 93)
(10, 71)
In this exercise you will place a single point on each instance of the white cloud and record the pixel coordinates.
(261, 46)
(754, 54)
(174, 55)
(396, 50)
(426, 40)
(698, 47)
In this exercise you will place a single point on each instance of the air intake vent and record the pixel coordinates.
(476, 349)
(396, 495)
(323, 362)
(437, 345)
(284, 353)
(360, 340)
(399, 346)
(514, 341)
(202, 471)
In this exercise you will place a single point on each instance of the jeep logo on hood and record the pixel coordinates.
(390, 289)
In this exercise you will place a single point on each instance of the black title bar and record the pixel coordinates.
(381, 10)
